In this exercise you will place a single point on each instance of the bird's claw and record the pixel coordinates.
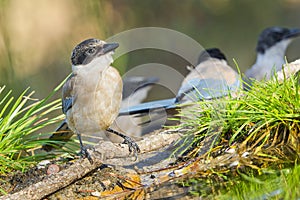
(85, 154)
(132, 145)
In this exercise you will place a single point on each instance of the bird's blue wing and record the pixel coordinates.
(146, 107)
(204, 89)
(67, 97)
(67, 104)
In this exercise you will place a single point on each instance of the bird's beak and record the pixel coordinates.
(293, 33)
(108, 47)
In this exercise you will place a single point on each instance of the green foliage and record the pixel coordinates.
(21, 123)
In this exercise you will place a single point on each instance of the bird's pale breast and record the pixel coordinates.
(97, 101)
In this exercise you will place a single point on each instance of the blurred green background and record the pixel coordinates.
(37, 36)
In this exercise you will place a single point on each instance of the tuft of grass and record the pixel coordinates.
(264, 121)
(22, 121)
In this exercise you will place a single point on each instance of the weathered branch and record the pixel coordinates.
(149, 143)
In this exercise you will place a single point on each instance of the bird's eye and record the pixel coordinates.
(91, 51)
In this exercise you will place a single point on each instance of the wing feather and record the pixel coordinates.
(67, 97)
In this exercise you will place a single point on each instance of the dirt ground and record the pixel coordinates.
(115, 178)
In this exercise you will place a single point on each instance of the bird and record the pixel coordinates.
(135, 90)
(271, 47)
(211, 78)
(91, 96)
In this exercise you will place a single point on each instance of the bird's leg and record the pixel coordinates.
(133, 147)
(83, 149)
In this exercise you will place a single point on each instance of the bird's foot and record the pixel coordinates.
(84, 153)
(132, 145)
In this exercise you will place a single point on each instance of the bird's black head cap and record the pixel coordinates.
(211, 53)
(272, 35)
(87, 50)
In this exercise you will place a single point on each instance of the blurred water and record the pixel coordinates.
(37, 37)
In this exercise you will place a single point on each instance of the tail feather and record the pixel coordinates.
(147, 107)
